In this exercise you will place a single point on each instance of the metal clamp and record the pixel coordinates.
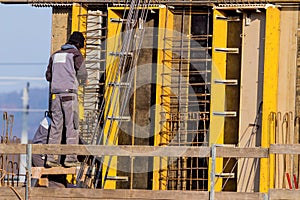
(225, 114)
(227, 50)
(122, 118)
(227, 82)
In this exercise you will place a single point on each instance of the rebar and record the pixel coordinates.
(9, 164)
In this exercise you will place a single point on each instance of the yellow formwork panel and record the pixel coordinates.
(270, 87)
(217, 102)
(79, 24)
(160, 131)
(111, 95)
(79, 19)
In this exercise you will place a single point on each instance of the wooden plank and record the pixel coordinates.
(284, 194)
(235, 152)
(146, 151)
(102, 2)
(12, 149)
(82, 193)
(10, 193)
(38, 171)
(250, 97)
(119, 194)
(239, 195)
(285, 149)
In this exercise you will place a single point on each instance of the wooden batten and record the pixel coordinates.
(84, 194)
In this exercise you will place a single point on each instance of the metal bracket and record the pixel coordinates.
(221, 17)
(225, 114)
(120, 118)
(226, 82)
(117, 178)
(118, 84)
(227, 50)
(225, 175)
(229, 18)
(117, 20)
(120, 54)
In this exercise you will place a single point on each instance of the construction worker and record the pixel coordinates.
(38, 160)
(65, 71)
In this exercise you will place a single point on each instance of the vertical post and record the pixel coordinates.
(24, 136)
(266, 196)
(217, 100)
(29, 161)
(270, 89)
(212, 172)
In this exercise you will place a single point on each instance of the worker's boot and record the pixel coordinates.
(72, 163)
(50, 164)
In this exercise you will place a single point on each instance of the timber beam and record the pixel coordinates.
(169, 2)
(145, 151)
(85, 194)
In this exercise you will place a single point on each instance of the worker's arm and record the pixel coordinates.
(49, 70)
(80, 68)
(82, 74)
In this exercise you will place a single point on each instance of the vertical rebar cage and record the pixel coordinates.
(182, 92)
(96, 23)
(186, 91)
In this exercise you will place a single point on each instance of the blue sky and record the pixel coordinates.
(25, 38)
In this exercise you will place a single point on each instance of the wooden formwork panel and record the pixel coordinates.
(250, 95)
(61, 27)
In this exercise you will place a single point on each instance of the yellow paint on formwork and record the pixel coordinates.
(217, 103)
(162, 105)
(269, 94)
(79, 21)
(79, 24)
(111, 95)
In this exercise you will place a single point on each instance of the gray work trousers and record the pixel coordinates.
(64, 113)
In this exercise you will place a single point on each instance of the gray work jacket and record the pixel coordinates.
(66, 70)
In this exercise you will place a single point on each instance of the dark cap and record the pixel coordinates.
(77, 37)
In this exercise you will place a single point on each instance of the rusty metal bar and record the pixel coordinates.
(9, 163)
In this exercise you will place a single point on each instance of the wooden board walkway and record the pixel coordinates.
(9, 193)
(85, 194)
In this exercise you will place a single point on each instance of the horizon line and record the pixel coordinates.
(22, 78)
(21, 110)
